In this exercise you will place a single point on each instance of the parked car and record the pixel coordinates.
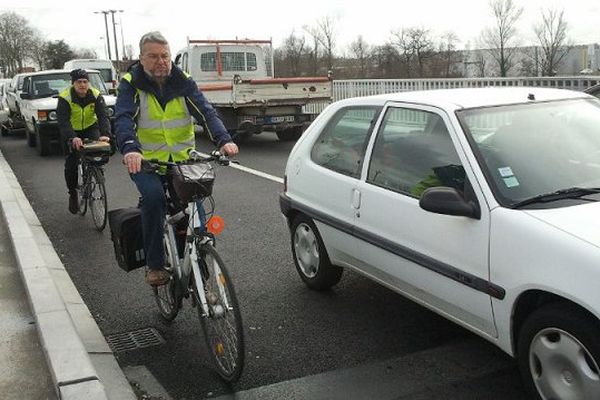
(593, 90)
(13, 101)
(39, 100)
(4, 110)
(479, 204)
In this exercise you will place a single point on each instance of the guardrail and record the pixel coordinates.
(343, 89)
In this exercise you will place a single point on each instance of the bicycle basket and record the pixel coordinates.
(193, 181)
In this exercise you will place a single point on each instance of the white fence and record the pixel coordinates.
(343, 89)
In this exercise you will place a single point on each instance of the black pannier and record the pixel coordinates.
(193, 180)
(126, 234)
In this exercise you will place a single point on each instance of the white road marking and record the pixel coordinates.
(252, 171)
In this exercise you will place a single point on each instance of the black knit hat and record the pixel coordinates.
(79, 74)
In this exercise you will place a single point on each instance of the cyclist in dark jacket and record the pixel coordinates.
(155, 105)
(81, 114)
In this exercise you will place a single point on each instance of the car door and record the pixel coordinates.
(329, 174)
(439, 260)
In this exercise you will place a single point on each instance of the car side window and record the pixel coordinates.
(412, 152)
(342, 144)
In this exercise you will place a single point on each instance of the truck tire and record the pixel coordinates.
(240, 136)
(43, 142)
(289, 134)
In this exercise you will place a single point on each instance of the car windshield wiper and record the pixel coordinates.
(570, 193)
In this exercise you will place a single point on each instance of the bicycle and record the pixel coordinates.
(197, 271)
(90, 181)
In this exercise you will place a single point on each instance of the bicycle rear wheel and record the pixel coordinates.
(97, 198)
(223, 329)
(82, 188)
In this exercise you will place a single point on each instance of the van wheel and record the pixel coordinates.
(559, 353)
(310, 256)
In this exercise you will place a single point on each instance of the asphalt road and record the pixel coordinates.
(292, 333)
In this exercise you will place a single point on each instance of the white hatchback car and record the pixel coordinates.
(480, 204)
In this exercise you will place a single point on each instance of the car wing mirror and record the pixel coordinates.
(448, 201)
(25, 96)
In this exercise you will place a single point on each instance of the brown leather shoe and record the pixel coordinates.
(157, 277)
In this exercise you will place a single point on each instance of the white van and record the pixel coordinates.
(106, 68)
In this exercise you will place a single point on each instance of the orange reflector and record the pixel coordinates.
(215, 225)
(219, 349)
(222, 279)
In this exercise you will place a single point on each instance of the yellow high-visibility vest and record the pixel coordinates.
(81, 117)
(164, 134)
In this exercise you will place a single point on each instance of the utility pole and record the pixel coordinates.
(106, 26)
(115, 32)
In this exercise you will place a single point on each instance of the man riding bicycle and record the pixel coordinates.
(81, 114)
(155, 105)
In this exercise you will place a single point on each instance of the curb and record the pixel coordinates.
(79, 359)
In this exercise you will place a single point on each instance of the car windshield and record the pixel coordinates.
(536, 149)
(52, 84)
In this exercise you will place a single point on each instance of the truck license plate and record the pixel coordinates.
(286, 118)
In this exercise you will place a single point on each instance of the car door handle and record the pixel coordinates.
(355, 199)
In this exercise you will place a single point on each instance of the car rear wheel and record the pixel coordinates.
(559, 353)
(310, 256)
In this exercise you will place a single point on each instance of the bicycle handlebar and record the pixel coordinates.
(195, 157)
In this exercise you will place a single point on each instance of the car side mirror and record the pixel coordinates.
(112, 91)
(25, 96)
(448, 201)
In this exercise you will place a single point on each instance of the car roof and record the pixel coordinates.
(453, 99)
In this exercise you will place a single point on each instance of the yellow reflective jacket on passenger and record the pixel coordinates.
(81, 117)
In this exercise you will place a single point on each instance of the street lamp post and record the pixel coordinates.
(106, 26)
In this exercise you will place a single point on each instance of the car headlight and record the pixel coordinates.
(52, 115)
(110, 111)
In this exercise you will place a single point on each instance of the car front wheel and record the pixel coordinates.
(559, 353)
(310, 256)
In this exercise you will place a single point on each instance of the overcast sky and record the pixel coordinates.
(76, 23)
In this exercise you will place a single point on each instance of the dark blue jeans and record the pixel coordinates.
(154, 209)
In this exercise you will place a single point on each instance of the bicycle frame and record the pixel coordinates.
(187, 267)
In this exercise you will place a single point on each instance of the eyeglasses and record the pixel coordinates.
(155, 57)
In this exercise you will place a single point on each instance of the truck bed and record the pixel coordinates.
(270, 91)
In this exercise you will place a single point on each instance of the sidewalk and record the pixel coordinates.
(68, 358)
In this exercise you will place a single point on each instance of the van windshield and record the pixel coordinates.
(106, 74)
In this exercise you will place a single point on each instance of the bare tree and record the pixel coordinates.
(387, 61)
(314, 52)
(361, 51)
(85, 53)
(327, 38)
(15, 40)
(552, 36)
(415, 46)
(293, 51)
(37, 49)
(500, 39)
(448, 54)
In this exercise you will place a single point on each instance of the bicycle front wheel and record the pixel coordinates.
(222, 328)
(97, 198)
(83, 190)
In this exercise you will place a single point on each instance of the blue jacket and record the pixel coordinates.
(177, 85)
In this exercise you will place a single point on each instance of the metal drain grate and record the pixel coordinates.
(134, 340)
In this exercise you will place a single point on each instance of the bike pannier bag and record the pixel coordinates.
(126, 234)
(193, 181)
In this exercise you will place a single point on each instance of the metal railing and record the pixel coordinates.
(343, 89)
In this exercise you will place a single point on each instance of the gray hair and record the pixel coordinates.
(152, 37)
